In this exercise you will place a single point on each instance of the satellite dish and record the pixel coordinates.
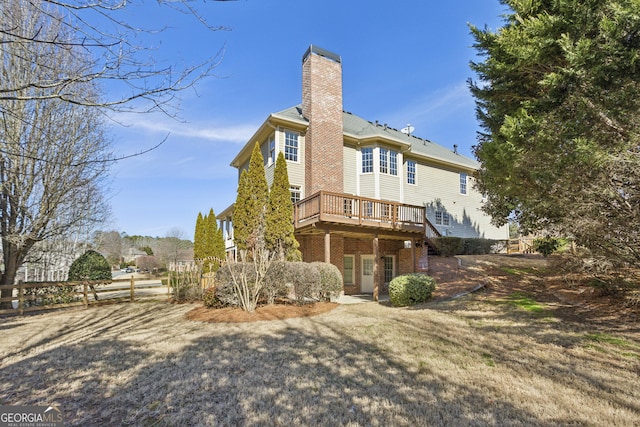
(407, 130)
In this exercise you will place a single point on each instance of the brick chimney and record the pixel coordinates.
(322, 106)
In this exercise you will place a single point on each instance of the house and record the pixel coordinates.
(367, 197)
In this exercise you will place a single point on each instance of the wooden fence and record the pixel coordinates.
(36, 296)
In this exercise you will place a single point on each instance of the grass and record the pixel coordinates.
(527, 303)
(463, 362)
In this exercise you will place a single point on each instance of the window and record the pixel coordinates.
(348, 270)
(272, 150)
(384, 157)
(367, 160)
(463, 183)
(388, 268)
(291, 146)
(411, 172)
(295, 193)
(393, 163)
(388, 161)
(442, 218)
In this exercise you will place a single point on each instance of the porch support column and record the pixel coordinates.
(413, 255)
(327, 246)
(376, 269)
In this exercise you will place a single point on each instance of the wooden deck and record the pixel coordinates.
(359, 212)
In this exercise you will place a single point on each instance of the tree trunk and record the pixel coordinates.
(8, 278)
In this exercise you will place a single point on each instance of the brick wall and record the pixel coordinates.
(322, 106)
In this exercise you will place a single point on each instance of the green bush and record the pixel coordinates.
(90, 266)
(50, 295)
(410, 289)
(330, 280)
(478, 246)
(547, 245)
(449, 246)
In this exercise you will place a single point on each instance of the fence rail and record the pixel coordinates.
(54, 295)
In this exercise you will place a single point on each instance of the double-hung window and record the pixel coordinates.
(463, 183)
(384, 158)
(291, 146)
(393, 163)
(272, 151)
(295, 193)
(388, 161)
(442, 218)
(411, 172)
(367, 160)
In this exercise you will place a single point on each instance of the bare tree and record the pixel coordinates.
(174, 247)
(110, 245)
(105, 32)
(52, 152)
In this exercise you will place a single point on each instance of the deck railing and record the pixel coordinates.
(348, 209)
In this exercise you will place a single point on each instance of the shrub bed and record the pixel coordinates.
(410, 289)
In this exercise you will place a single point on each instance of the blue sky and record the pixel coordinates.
(403, 61)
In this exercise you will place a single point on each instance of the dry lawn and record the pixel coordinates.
(508, 355)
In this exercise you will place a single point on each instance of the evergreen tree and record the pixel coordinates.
(251, 203)
(199, 238)
(559, 103)
(240, 218)
(279, 229)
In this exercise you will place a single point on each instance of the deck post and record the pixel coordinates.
(133, 286)
(376, 269)
(327, 246)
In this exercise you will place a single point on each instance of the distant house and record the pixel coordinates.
(367, 197)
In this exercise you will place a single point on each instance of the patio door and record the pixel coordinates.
(366, 281)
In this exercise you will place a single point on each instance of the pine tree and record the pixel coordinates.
(559, 102)
(279, 233)
(240, 216)
(199, 238)
(251, 203)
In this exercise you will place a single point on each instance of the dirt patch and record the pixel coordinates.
(265, 312)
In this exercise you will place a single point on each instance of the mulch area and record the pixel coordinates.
(493, 276)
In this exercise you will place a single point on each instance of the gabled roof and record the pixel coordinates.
(359, 129)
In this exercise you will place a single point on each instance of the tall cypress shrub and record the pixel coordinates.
(279, 230)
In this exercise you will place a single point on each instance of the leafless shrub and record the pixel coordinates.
(186, 282)
(248, 277)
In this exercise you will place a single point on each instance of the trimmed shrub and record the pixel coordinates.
(410, 289)
(330, 280)
(90, 266)
(276, 284)
(449, 246)
(478, 246)
(306, 281)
